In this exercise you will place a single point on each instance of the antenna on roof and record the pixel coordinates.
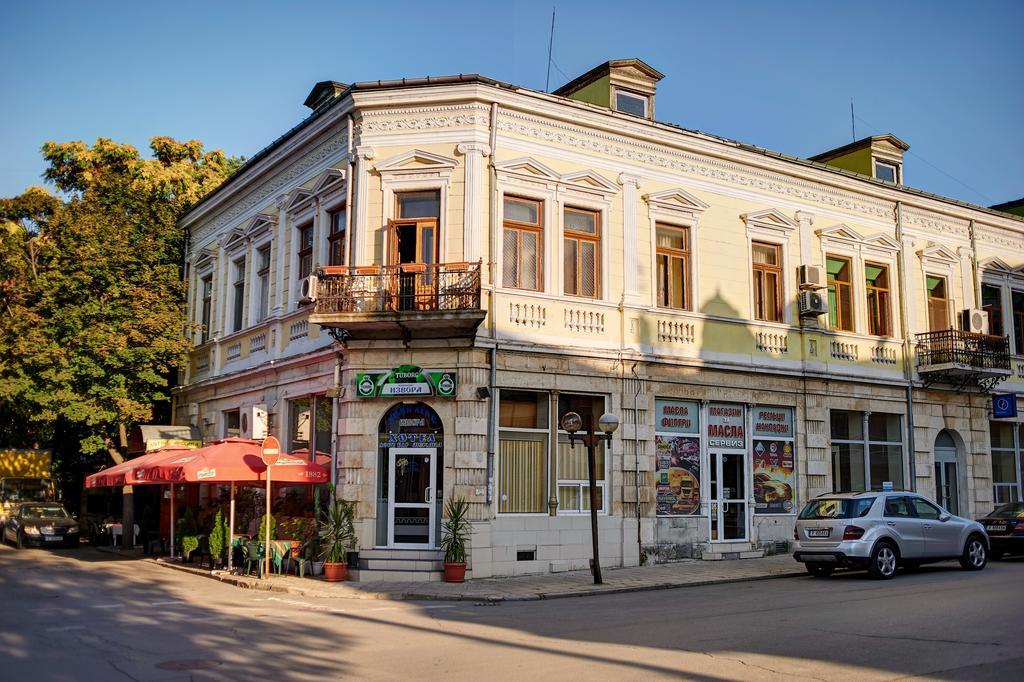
(551, 42)
(853, 126)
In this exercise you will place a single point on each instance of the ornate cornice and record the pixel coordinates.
(935, 224)
(423, 118)
(720, 171)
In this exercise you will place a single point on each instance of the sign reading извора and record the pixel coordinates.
(406, 380)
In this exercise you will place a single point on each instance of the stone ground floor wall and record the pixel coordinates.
(631, 389)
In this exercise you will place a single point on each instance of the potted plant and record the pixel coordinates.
(337, 536)
(218, 539)
(454, 535)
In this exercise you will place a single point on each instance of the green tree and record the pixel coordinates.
(92, 289)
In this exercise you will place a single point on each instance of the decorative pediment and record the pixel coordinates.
(298, 199)
(330, 180)
(770, 219)
(883, 241)
(233, 239)
(938, 253)
(259, 224)
(527, 167)
(206, 257)
(676, 198)
(997, 265)
(590, 181)
(842, 232)
(416, 160)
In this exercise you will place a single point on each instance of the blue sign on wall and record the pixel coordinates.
(1004, 405)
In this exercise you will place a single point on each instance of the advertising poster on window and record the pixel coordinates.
(677, 457)
(774, 477)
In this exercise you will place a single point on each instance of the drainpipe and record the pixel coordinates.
(335, 409)
(492, 383)
(908, 369)
(975, 275)
(636, 459)
(350, 178)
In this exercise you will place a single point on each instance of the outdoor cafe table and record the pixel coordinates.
(279, 549)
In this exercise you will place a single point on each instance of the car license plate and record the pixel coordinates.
(52, 538)
(819, 532)
(997, 528)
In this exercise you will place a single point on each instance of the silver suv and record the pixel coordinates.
(882, 530)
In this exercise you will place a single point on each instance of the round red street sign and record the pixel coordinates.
(270, 450)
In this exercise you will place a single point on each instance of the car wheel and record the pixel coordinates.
(975, 554)
(819, 570)
(884, 558)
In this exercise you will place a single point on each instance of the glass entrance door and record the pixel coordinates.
(411, 476)
(728, 496)
(946, 493)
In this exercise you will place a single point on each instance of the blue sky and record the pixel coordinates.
(945, 77)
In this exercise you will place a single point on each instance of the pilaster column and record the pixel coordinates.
(280, 304)
(359, 236)
(967, 276)
(473, 229)
(221, 289)
(908, 292)
(805, 221)
(320, 230)
(630, 238)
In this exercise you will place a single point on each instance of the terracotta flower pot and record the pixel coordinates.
(454, 573)
(335, 572)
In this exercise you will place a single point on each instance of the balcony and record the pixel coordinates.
(963, 359)
(414, 300)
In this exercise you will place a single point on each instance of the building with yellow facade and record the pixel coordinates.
(419, 279)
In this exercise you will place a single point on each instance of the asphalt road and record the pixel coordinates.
(83, 615)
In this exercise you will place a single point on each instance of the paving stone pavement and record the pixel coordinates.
(686, 573)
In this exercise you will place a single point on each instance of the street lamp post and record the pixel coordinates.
(571, 422)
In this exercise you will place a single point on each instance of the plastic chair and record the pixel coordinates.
(302, 557)
(252, 554)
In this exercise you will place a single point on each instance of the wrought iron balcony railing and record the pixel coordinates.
(937, 351)
(411, 287)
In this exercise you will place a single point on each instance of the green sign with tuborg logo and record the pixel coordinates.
(406, 380)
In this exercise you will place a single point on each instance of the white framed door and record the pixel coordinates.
(412, 473)
(728, 498)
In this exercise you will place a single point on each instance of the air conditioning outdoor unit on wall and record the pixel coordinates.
(812, 277)
(812, 304)
(253, 422)
(308, 290)
(975, 321)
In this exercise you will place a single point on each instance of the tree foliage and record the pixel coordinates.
(91, 286)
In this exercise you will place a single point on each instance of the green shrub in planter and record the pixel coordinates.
(189, 543)
(218, 538)
(263, 528)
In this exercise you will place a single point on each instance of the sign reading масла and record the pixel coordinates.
(726, 426)
(406, 380)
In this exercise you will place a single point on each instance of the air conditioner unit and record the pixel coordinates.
(253, 422)
(308, 289)
(975, 321)
(812, 304)
(812, 277)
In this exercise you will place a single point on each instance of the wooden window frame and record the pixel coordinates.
(760, 272)
(670, 253)
(931, 300)
(304, 253)
(843, 288)
(206, 311)
(520, 227)
(337, 232)
(238, 298)
(995, 312)
(263, 281)
(879, 312)
(579, 237)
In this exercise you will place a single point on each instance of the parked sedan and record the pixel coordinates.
(40, 523)
(1005, 528)
(882, 530)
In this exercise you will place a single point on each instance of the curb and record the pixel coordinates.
(244, 582)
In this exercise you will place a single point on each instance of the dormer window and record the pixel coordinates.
(887, 172)
(631, 103)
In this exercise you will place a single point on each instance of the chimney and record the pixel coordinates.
(623, 85)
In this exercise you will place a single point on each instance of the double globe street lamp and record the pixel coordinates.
(571, 422)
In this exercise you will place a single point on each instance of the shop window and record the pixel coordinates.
(263, 283)
(232, 424)
(305, 251)
(767, 259)
(677, 457)
(879, 309)
(310, 417)
(1007, 461)
(1017, 310)
(867, 451)
(522, 452)
(238, 312)
(336, 237)
(992, 303)
(673, 265)
(840, 293)
(571, 463)
(938, 303)
(207, 285)
(522, 242)
(582, 248)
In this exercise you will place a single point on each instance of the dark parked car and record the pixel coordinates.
(1005, 528)
(40, 523)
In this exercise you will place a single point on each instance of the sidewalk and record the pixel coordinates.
(689, 573)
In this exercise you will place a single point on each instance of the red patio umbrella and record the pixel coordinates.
(119, 474)
(231, 460)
